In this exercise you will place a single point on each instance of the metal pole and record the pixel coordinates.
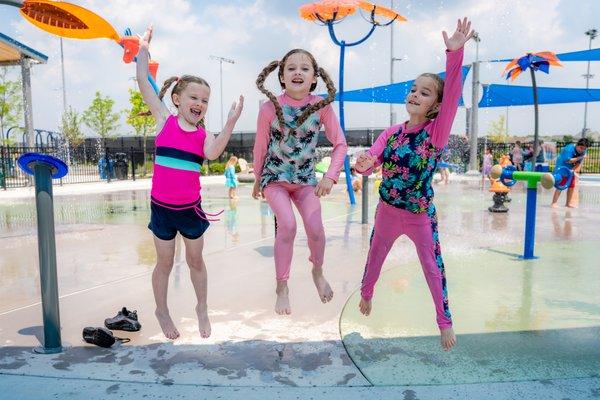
(474, 108)
(221, 85)
(536, 122)
(62, 69)
(530, 224)
(26, 76)
(221, 60)
(592, 33)
(343, 124)
(47, 259)
(365, 199)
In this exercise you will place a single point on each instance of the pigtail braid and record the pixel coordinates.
(260, 84)
(166, 86)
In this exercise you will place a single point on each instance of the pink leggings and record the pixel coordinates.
(390, 224)
(280, 196)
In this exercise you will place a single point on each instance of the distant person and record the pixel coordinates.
(182, 144)
(571, 156)
(517, 156)
(231, 181)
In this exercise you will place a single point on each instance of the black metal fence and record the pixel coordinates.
(591, 165)
(87, 163)
(97, 160)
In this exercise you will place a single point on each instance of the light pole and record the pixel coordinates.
(592, 33)
(221, 60)
(473, 165)
(392, 60)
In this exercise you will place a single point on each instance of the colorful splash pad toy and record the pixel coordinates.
(509, 176)
(330, 12)
(75, 22)
(534, 62)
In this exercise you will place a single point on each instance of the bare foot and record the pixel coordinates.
(325, 292)
(571, 206)
(365, 307)
(167, 325)
(282, 305)
(554, 205)
(448, 338)
(203, 322)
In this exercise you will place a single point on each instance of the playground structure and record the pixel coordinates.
(331, 12)
(72, 21)
(508, 176)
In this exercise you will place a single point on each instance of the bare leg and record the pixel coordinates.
(571, 198)
(198, 275)
(165, 251)
(282, 304)
(555, 198)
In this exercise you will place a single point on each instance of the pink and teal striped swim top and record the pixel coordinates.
(177, 163)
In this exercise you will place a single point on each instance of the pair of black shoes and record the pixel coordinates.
(125, 320)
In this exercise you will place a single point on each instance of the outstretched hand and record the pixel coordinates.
(145, 40)
(235, 110)
(364, 162)
(462, 34)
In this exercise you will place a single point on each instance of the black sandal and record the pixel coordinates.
(101, 337)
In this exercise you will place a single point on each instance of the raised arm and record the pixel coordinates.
(442, 124)
(214, 146)
(158, 109)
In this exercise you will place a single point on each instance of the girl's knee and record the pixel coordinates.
(164, 266)
(286, 229)
(195, 262)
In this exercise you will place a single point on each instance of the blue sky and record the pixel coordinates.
(255, 32)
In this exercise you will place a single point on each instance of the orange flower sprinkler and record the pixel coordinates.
(75, 22)
(330, 12)
(534, 61)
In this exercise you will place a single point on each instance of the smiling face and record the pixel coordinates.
(298, 76)
(192, 102)
(423, 96)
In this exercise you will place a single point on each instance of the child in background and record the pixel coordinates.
(230, 178)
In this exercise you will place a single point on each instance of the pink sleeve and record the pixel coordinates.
(261, 142)
(440, 129)
(377, 148)
(335, 135)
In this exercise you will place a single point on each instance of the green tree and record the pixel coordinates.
(139, 117)
(568, 138)
(99, 116)
(497, 132)
(11, 103)
(70, 127)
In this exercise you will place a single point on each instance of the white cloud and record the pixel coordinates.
(255, 32)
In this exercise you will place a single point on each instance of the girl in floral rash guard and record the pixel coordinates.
(408, 154)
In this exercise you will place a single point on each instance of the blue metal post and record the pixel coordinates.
(343, 124)
(530, 223)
